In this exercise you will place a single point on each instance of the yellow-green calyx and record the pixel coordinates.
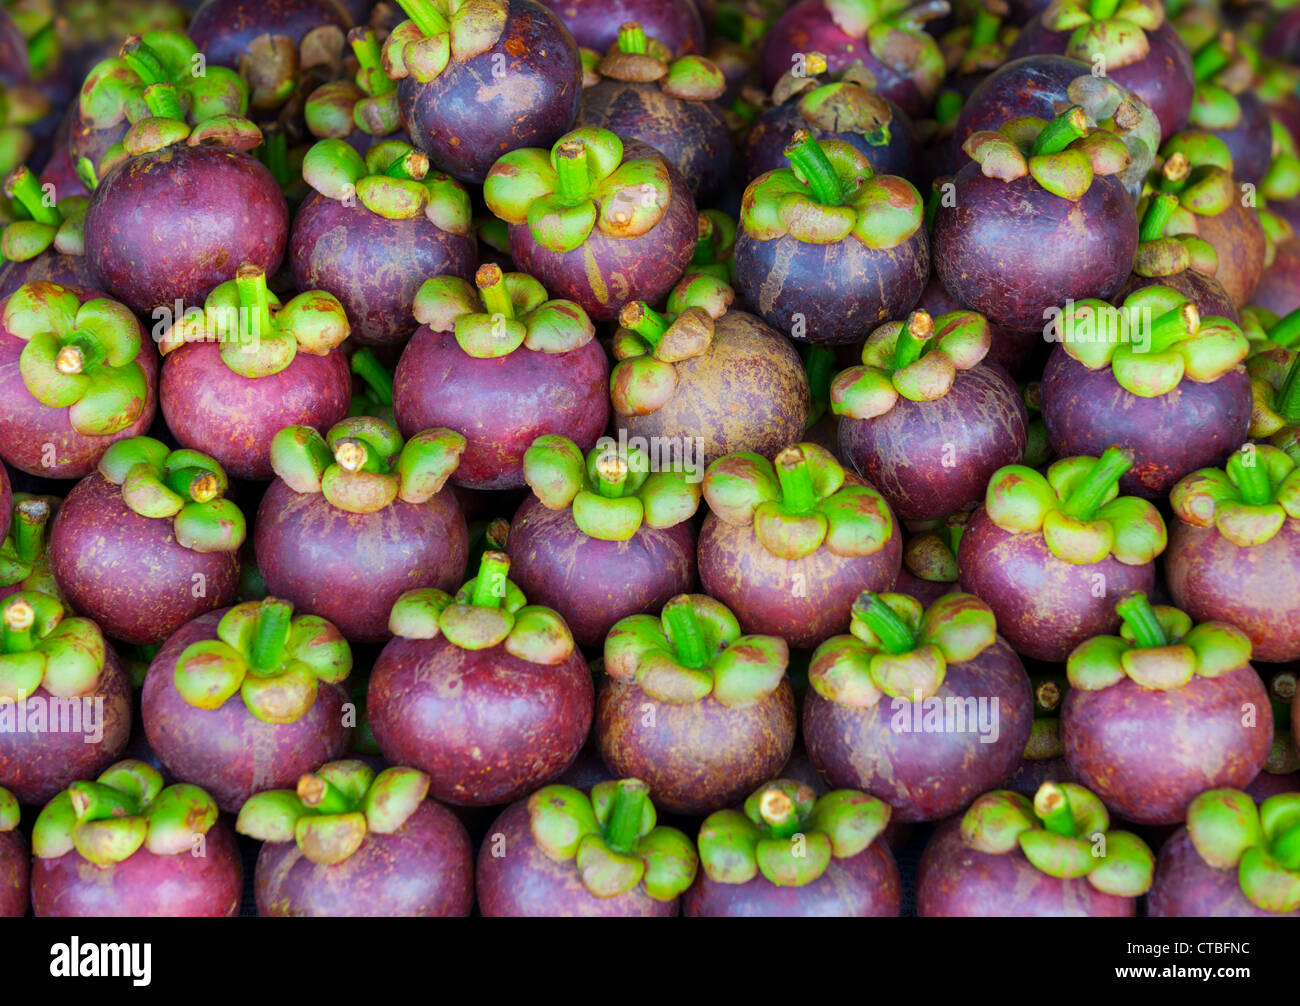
(1077, 509)
(1113, 29)
(1196, 168)
(438, 32)
(1248, 501)
(828, 194)
(694, 649)
(41, 648)
(257, 335)
(392, 181)
(80, 356)
(612, 492)
(917, 359)
(362, 464)
(981, 46)
(1263, 843)
(501, 312)
(1064, 831)
(841, 103)
(715, 246)
(274, 660)
(798, 503)
(612, 839)
(582, 183)
(58, 225)
(368, 102)
(900, 648)
(1062, 156)
(10, 812)
(635, 58)
(893, 31)
(789, 834)
(1154, 340)
(1158, 648)
(1275, 379)
(183, 485)
(21, 106)
(23, 557)
(334, 808)
(487, 611)
(110, 819)
(648, 344)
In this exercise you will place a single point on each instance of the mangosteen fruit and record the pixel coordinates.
(49, 245)
(595, 23)
(15, 868)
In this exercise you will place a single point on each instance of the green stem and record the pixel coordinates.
(985, 29)
(1288, 396)
(778, 812)
(796, 480)
(367, 366)
(197, 484)
(1061, 132)
(645, 321)
(1139, 616)
(322, 796)
(1047, 696)
(491, 283)
(892, 631)
(819, 362)
(913, 338)
(704, 251)
(93, 801)
(30, 518)
(372, 79)
(266, 652)
(1210, 59)
(571, 170)
(1287, 330)
(623, 827)
(806, 154)
(1175, 172)
(254, 301)
(19, 618)
(414, 164)
(1102, 9)
(684, 628)
(947, 107)
(490, 584)
(25, 187)
(1157, 216)
(1286, 848)
(1173, 327)
(1088, 494)
(631, 38)
(164, 102)
(144, 61)
(1252, 481)
(1053, 808)
(426, 16)
(275, 155)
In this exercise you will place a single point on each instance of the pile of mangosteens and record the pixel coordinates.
(649, 458)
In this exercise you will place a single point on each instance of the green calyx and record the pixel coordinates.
(789, 834)
(487, 611)
(127, 807)
(41, 648)
(1115, 30)
(635, 58)
(612, 839)
(1275, 384)
(1164, 249)
(900, 648)
(368, 102)
(612, 491)
(23, 557)
(1262, 843)
(166, 126)
(333, 809)
(60, 225)
(694, 649)
(1158, 648)
(1247, 501)
(183, 485)
(274, 660)
(582, 183)
(715, 246)
(362, 464)
(828, 193)
(1064, 831)
(894, 33)
(1152, 341)
(80, 355)
(438, 32)
(10, 812)
(1062, 156)
(500, 313)
(1077, 509)
(798, 503)
(1197, 168)
(918, 359)
(392, 181)
(259, 337)
(648, 345)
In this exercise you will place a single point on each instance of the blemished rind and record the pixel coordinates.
(15, 875)
(1188, 887)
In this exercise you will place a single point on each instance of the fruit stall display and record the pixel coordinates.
(649, 458)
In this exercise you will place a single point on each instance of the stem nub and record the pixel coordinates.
(491, 283)
(1175, 172)
(631, 38)
(25, 187)
(1174, 326)
(572, 171)
(881, 619)
(426, 16)
(164, 102)
(365, 45)
(414, 164)
(1102, 9)
(490, 585)
(322, 796)
(1139, 616)
(1287, 330)
(625, 816)
(30, 518)
(1061, 132)
(1157, 216)
(611, 474)
(778, 812)
(796, 480)
(1252, 481)
(19, 617)
(367, 366)
(684, 628)
(913, 338)
(1088, 494)
(641, 318)
(266, 652)
(1053, 808)
(1212, 57)
(985, 29)
(144, 61)
(254, 301)
(1288, 396)
(806, 154)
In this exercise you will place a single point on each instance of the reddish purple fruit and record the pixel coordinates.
(1186, 886)
(15, 871)
(595, 23)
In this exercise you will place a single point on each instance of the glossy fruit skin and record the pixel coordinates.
(1194, 426)
(487, 726)
(144, 885)
(1045, 606)
(210, 408)
(373, 265)
(1012, 250)
(692, 135)
(1238, 237)
(228, 751)
(1279, 285)
(747, 392)
(593, 583)
(1188, 887)
(35, 766)
(51, 267)
(863, 886)
(764, 590)
(1032, 773)
(424, 869)
(223, 29)
(1256, 589)
(697, 757)
(500, 404)
(955, 880)
(349, 568)
(127, 572)
(32, 433)
(926, 776)
(594, 23)
(525, 881)
(1206, 292)
(1147, 753)
(6, 501)
(522, 92)
(15, 873)
(834, 293)
(931, 459)
(604, 273)
(174, 224)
